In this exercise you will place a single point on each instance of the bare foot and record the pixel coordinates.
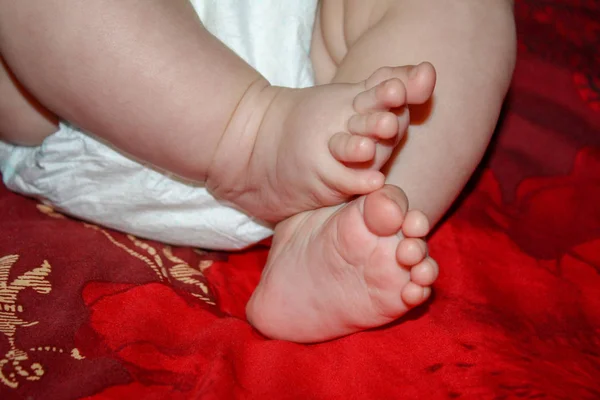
(338, 270)
(317, 146)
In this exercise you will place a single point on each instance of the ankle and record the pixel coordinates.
(226, 177)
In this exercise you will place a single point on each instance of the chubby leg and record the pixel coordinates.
(135, 73)
(23, 120)
(155, 84)
(472, 47)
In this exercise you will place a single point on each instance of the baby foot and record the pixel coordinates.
(335, 271)
(382, 115)
(319, 146)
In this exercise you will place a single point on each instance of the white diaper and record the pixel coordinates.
(89, 180)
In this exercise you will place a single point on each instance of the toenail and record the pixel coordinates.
(414, 71)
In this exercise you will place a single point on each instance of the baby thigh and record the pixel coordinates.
(472, 46)
(23, 120)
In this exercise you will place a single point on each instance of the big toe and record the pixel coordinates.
(384, 210)
(419, 80)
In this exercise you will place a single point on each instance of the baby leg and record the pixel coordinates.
(335, 271)
(143, 75)
(23, 120)
(155, 84)
(472, 46)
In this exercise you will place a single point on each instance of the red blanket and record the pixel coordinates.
(88, 312)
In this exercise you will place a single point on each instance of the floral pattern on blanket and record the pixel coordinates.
(32, 351)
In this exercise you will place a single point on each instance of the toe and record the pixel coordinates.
(415, 224)
(413, 294)
(425, 272)
(384, 210)
(384, 96)
(419, 80)
(411, 251)
(351, 148)
(353, 181)
(403, 120)
(379, 125)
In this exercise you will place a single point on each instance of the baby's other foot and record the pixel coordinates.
(318, 146)
(339, 270)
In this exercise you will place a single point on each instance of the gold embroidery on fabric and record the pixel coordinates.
(12, 366)
(183, 272)
(74, 353)
(179, 270)
(49, 211)
(133, 253)
(151, 251)
(16, 365)
(203, 265)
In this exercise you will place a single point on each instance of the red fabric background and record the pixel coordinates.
(91, 313)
